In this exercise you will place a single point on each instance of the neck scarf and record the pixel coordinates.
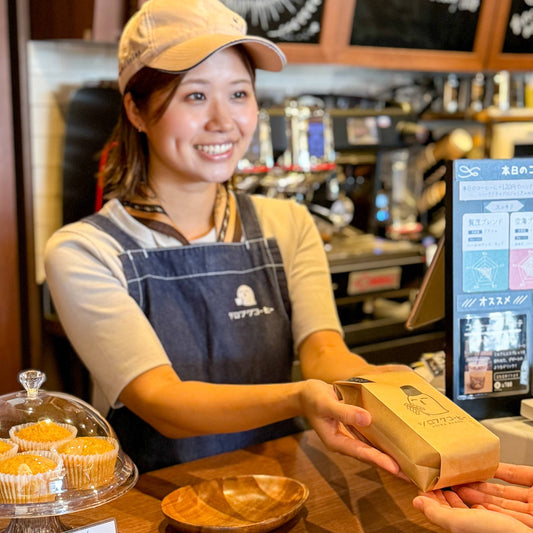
(227, 223)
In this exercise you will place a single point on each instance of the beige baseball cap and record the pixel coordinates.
(176, 35)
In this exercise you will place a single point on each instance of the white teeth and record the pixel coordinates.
(214, 149)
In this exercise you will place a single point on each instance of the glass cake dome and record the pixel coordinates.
(33, 405)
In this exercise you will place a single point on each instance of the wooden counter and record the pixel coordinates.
(345, 495)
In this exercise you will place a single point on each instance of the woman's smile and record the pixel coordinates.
(214, 149)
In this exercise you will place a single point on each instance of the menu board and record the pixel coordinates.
(519, 34)
(489, 253)
(419, 24)
(282, 21)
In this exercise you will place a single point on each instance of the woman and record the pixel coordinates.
(185, 300)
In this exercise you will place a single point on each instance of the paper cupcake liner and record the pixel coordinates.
(11, 452)
(31, 488)
(90, 471)
(27, 445)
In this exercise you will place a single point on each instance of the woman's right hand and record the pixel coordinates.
(330, 418)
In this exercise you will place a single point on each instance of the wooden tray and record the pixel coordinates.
(251, 504)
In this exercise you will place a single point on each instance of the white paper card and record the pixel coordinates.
(106, 526)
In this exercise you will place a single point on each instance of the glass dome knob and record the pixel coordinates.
(31, 380)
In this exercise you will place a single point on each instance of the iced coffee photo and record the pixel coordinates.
(494, 353)
(478, 375)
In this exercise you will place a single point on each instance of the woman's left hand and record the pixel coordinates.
(381, 369)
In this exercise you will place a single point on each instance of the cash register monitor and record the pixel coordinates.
(429, 304)
(489, 284)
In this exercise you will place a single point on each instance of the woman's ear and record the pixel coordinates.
(134, 115)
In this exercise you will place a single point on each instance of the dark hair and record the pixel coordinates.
(125, 173)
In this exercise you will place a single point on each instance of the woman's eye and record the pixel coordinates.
(240, 94)
(195, 96)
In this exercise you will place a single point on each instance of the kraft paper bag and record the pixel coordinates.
(434, 441)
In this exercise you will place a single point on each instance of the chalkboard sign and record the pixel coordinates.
(417, 24)
(282, 21)
(519, 34)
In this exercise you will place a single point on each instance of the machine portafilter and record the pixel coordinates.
(259, 158)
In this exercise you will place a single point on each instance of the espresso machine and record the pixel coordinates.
(327, 159)
(293, 156)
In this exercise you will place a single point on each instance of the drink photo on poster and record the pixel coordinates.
(479, 374)
(494, 356)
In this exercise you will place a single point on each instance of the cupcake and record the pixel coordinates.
(27, 477)
(42, 435)
(8, 448)
(89, 461)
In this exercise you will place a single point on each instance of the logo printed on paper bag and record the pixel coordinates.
(422, 403)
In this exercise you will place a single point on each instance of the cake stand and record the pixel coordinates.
(34, 405)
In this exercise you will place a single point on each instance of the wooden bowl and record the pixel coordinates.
(250, 504)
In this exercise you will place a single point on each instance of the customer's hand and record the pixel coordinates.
(447, 510)
(515, 500)
(330, 418)
(493, 507)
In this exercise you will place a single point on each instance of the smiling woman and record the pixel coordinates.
(185, 299)
(208, 123)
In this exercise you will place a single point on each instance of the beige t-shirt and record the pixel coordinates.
(110, 332)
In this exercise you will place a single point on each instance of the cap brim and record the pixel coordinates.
(265, 54)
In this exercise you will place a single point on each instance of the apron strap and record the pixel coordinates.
(107, 225)
(249, 220)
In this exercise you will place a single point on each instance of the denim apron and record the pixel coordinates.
(222, 313)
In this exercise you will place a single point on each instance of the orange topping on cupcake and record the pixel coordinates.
(22, 464)
(86, 446)
(43, 431)
(5, 446)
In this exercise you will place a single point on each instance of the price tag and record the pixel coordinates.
(106, 526)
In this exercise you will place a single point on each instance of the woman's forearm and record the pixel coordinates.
(325, 356)
(180, 409)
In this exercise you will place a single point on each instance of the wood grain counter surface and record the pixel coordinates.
(345, 495)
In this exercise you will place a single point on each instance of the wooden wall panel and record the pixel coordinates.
(10, 322)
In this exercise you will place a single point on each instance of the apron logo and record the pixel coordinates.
(245, 296)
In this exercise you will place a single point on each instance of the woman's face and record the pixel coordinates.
(208, 124)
